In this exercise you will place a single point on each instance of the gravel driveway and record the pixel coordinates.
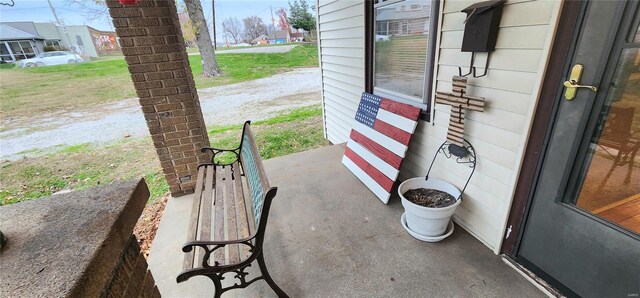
(228, 104)
(256, 50)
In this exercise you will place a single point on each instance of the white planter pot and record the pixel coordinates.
(426, 221)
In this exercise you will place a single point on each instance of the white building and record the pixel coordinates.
(21, 40)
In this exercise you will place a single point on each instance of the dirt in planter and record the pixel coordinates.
(431, 198)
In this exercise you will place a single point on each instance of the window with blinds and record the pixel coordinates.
(401, 48)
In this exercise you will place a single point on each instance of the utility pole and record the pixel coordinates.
(64, 28)
(273, 21)
(213, 11)
(55, 15)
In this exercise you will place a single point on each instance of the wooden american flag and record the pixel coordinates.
(378, 142)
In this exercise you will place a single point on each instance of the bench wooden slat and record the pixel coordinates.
(248, 202)
(218, 229)
(207, 202)
(242, 209)
(206, 205)
(193, 221)
(231, 223)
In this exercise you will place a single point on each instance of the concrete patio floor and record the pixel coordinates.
(329, 236)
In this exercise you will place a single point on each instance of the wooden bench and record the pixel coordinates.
(229, 217)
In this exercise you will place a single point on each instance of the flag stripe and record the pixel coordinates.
(375, 161)
(377, 149)
(393, 132)
(391, 144)
(368, 181)
(404, 110)
(374, 173)
(397, 121)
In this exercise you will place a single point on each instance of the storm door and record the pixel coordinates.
(582, 231)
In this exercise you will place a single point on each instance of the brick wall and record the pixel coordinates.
(153, 47)
(131, 278)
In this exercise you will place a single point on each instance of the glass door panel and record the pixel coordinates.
(611, 186)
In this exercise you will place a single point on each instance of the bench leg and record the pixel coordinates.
(217, 285)
(268, 279)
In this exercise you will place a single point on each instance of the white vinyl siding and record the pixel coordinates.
(499, 134)
(341, 42)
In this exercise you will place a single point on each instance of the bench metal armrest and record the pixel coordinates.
(210, 247)
(215, 151)
(187, 247)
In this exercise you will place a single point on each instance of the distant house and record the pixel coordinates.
(17, 44)
(262, 39)
(296, 37)
(21, 40)
(279, 36)
(402, 19)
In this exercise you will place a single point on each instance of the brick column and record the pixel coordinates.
(153, 47)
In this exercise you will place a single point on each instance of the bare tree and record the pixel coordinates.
(233, 27)
(254, 27)
(91, 9)
(188, 30)
(271, 28)
(210, 66)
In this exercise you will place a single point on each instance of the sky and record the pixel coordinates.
(39, 11)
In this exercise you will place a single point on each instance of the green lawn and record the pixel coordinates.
(83, 166)
(242, 67)
(30, 91)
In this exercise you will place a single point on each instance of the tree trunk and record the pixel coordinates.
(210, 66)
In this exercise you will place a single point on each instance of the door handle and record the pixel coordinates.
(572, 84)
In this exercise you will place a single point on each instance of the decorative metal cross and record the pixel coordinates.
(459, 102)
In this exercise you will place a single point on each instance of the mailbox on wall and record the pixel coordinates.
(481, 26)
(481, 31)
